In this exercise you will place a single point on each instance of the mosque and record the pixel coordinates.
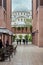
(19, 23)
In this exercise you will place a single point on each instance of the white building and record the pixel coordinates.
(19, 16)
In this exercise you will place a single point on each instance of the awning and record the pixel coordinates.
(6, 31)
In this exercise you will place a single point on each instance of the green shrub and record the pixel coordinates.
(14, 37)
(30, 28)
(19, 28)
(26, 37)
(20, 36)
(30, 38)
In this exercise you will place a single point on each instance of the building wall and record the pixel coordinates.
(20, 16)
(2, 20)
(8, 20)
(5, 19)
(21, 31)
(37, 24)
(5, 15)
(8, 11)
(40, 25)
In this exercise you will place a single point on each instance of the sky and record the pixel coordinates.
(21, 3)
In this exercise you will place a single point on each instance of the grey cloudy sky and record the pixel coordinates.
(21, 3)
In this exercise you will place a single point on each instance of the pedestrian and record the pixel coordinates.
(20, 41)
(24, 41)
(1, 45)
(1, 50)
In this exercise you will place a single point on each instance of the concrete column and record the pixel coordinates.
(10, 40)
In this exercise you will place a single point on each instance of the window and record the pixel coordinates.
(4, 15)
(37, 4)
(26, 29)
(24, 13)
(0, 2)
(18, 19)
(22, 29)
(4, 4)
(41, 2)
(18, 13)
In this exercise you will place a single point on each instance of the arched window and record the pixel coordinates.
(21, 19)
(18, 13)
(24, 13)
(4, 4)
(37, 4)
(26, 29)
(22, 29)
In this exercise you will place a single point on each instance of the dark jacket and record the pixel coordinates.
(1, 43)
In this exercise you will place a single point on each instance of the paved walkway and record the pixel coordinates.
(26, 55)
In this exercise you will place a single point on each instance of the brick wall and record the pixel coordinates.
(2, 20)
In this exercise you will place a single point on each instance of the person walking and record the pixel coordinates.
(24, 41)
(1, 50)
(1, 45)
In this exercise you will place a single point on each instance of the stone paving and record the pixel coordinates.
(26, 55)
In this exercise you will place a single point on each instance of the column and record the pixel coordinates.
(2, 3)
